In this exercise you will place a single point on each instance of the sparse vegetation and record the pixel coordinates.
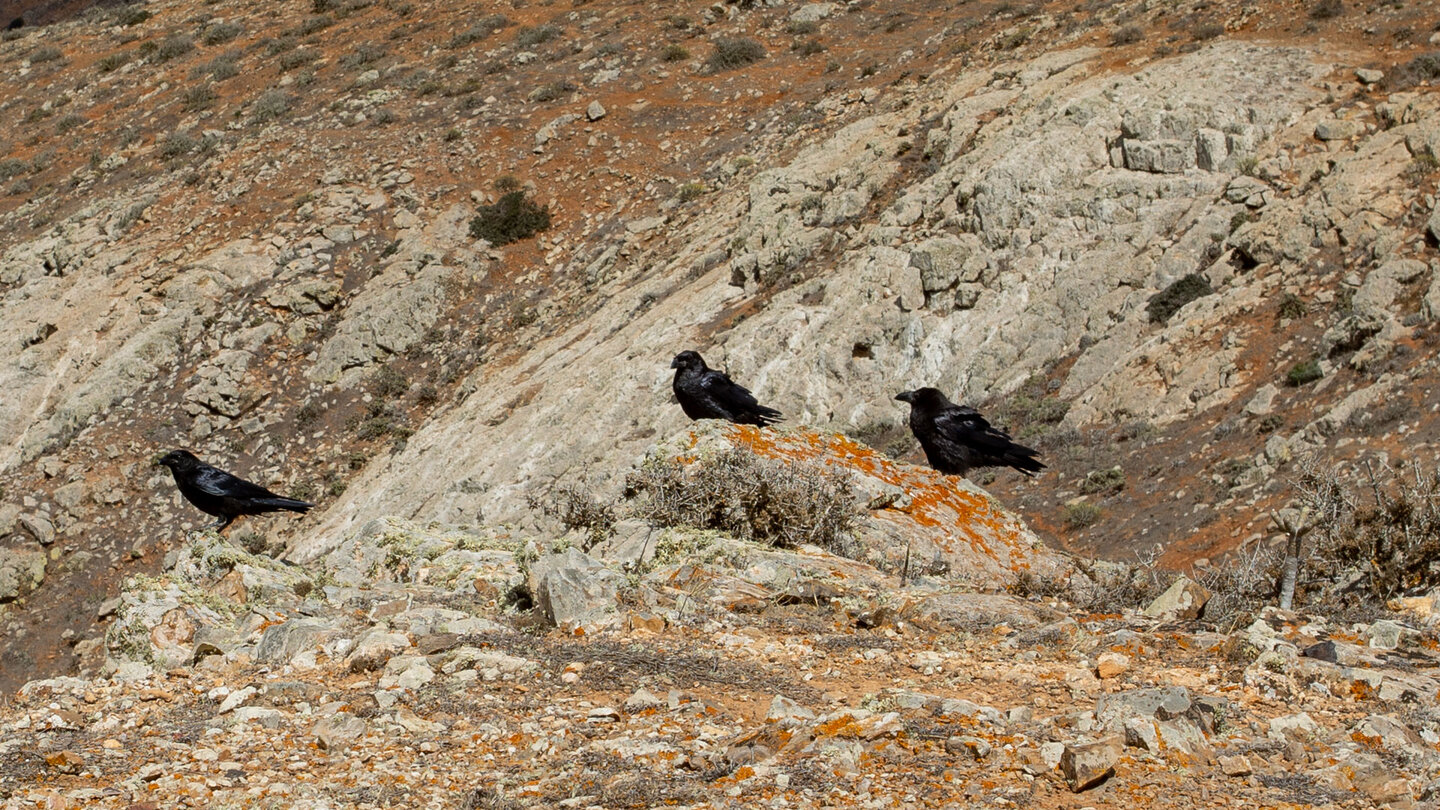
(1079, 514)
(1182, 291)
(674, 53)
(809, 47)
(1422, 68)
(512, 218)
(45, 53)
(530, 36)
(734, 52)
(173, 46)
(1291, 307)
(1126, 35)
(220, 33)
(198, 98)
(747, 496)
(111, 62)
(1103, 482)
(269, 106)
(1302, 373)
(552, 91)
(1327, 9)
(388, 383)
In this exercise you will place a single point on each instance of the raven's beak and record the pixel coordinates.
(905, 396)
(675, 363)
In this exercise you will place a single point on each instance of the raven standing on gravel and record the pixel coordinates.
(216, 492)
(957, 438)
(705, 393)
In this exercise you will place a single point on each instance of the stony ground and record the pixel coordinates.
(244, 228)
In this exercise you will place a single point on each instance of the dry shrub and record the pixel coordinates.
(1373, 539)
(747, 496)
(577, 510)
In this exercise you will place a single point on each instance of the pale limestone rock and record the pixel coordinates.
(1183, 600)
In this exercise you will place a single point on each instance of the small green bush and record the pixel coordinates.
(46, 53)
(269, 106)
(198, 98)
(69, 122)
(313, 24)
(362, 55)
(513, 218)
(129, 15)
(1302, 373)
(1182, 291)
(1103, 482)
(220, 33)
(177, 144)
(1291, 307)
(674, 53)
(734, 52)
(1327, 9)
(12, 167)
(173, 46)
(388, 383)
(530, 36)
(298, 58)
(113, 61)
(1209, 31)
(1128, 35)
(1080, 514)
(810, 47)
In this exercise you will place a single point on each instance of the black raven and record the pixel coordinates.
(705, 393)
(957, 438)
(216, 492)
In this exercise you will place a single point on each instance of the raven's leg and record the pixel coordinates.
(221, 524)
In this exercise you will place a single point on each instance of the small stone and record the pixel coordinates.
(1086, 765)
(602, 714)
(595, 111)
(971, 748)
(1112, 664)
(642, 699)
(65, 761)
(1235, 766)
(338, 730)
(1369, 76)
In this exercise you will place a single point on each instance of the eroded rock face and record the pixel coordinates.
(1031, 239)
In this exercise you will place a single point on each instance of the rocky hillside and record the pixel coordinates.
(690, 668)
(1185, 252)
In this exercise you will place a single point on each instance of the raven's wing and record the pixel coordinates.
(730, 396)
(970, 436)
(220, 484)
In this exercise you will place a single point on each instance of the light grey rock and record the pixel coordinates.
(38, 527)
(787, 712)
(374, 649)
(1183, 600)
(574, 589)
(631, 544)
(1264, 400)
(281, 643)
(641, 700)
(595, 111)
(337, 731)
(20, 572)
(974, 612)
(1369, 76)
(812, 12)
(1300, 726)
(1338, 129)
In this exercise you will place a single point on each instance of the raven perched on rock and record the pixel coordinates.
(705, 393)
(216, 492)
(957, 438)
